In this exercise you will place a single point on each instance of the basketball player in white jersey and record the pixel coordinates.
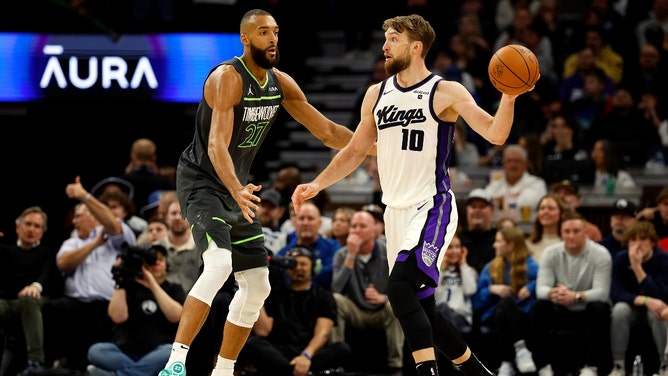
(412, 116)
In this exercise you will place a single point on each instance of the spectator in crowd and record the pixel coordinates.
(506, 10)
(377, 213)
(182, 256)
(145, 310)
(113, 184)
(658, 17)
(150, 210)
(371, 168)
(491, 156)
(608, 174)
(155, 231)
(457, 283)
(124, 208)
(611, 62)
(572, 87)
(518, 187)
(359, 283)
(530, 142)
(28, 278)
(568, 193)
(616, 28)
(285, 183)
(288, 225)
(471, 52)
(341, 224)
(590, 105)
(292, 333)
(467, 152)
(658, 214)
(639, 287)
(506, 290)
(564, 156)
(444, 65)
(572, 290)
(505, 223)
(536, 39)
(158, 203)
(142, 171)
(635, 136)
(622, 217)
(545, 231)
(512, 34)
(477, 235)
(647, 80)
(270, 213)
(287, 179)
(79, 318)
(307, 234)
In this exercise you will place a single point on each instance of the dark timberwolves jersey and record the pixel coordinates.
(253, 117)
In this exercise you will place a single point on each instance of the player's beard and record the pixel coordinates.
(397, 64)
(260, 57)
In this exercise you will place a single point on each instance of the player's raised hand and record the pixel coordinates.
(302, 193)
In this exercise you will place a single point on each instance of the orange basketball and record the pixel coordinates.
(513, 69)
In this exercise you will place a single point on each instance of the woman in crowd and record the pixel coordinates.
(506, 289)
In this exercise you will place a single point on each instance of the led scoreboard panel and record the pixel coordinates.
(159, 67)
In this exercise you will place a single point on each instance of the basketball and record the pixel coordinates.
(513, 69)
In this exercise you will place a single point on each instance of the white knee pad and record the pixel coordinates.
(253, 290)
(217, 268)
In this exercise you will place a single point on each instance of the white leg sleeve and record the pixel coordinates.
(253, 290)
(217, 268)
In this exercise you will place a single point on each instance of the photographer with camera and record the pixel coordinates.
(145, 309)
(291, 335)
(79, 318)
(307, 234)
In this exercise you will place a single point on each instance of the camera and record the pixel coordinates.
(278, 267)
(132, 259)
(285, 262)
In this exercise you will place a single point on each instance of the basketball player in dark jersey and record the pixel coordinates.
(412, 116)
(240, 101)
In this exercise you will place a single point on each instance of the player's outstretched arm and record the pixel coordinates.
(494, 129)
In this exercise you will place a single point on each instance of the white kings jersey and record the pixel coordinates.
(414, 145)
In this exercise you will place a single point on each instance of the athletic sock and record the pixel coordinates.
(178, 354)
(224, 367)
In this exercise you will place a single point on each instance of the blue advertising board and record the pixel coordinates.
(158, 67)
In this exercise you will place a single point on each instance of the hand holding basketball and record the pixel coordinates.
(513, 69)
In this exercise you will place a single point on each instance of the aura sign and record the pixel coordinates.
(161, 67)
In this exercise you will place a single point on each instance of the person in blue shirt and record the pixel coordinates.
(506, 289)
(78, 319)
(307, 234)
